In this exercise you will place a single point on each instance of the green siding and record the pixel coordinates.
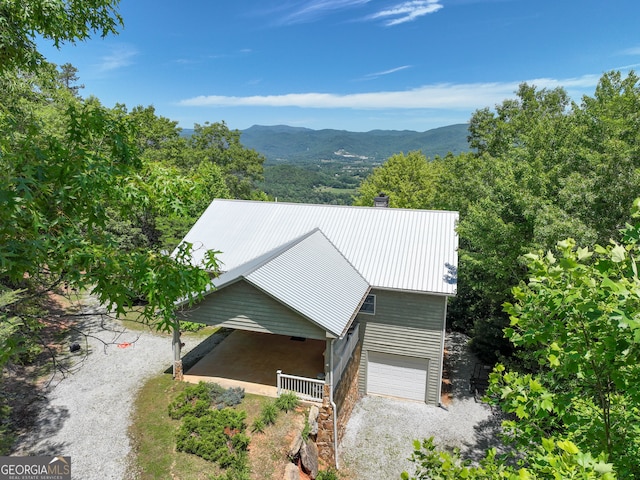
(242, 306)
(405, 324)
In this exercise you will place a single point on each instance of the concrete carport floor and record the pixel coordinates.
(250, 360)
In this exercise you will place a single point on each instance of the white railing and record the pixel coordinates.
(308, 389)
(343, 349)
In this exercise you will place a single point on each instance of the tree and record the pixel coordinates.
(67, 165)
(68, 77)
(576, 321)
(60, 21)
(217, 144)
(409, 180)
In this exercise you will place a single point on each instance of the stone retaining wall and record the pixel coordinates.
(345, 398)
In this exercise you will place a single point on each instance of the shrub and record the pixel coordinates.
(306, 430)
(213, 436)
(269, 413)
(330, 474)
(191, 326)
(193, 400)
(230, 397)
(287, 401)
(258, 426)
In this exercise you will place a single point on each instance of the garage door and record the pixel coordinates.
(397, 375)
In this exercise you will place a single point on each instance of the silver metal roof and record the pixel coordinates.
(412, 250)
(311, 277)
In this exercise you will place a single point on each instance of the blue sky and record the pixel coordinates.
(355, 65)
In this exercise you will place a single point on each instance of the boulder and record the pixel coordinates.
(309, 458)
(291, 472)
(313, 413)
(294, 446)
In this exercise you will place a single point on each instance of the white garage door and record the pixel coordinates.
(397, 375)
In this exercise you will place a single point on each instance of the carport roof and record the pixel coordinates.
(308, 275)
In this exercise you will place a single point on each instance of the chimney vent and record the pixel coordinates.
(381, 200)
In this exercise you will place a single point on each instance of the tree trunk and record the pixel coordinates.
(177, 353)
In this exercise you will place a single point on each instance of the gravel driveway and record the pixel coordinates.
(380, 434)
(87, 413)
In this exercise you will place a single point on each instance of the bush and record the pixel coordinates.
(194, 400)
(230, 397)
(287, 401)
(328, 475)
(258, 426)
(191, 326)
(217, 436)
(269, 413)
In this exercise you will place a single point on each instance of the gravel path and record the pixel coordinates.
(87, 413)
(379, 436)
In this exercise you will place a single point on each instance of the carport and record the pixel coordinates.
(251, 359)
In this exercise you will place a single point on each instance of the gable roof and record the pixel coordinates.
(311, 277)
(410, 250)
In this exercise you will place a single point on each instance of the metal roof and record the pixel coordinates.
(411, 250)
(311, 277)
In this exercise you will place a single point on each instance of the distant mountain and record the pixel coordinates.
(284, 144)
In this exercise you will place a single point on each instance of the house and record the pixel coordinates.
(365, 287)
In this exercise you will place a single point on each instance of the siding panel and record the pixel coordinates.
(405, 324)
(243, 307)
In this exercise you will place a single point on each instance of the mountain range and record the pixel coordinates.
(297, 145)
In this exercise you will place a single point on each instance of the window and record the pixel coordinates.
(369, 305)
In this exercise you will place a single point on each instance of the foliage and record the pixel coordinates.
(409, 181)
(552, 459)
(545, 168)
(194, 400)
(258, 425)
(197, 399)
(216, 435)
(60, 21)
(330, 474)
(287, 401)
(269, 413)
(191, 326)
(577, 318)
(68, 166)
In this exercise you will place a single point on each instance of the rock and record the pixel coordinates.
(291, 472)
(313, 428)
(313, 413)
(294, 446)
(309, 458)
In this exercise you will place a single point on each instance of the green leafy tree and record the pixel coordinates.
(68, 165)
(59, 21)
(215, 143)
(578, 319)
(560, 459)
(409, 180)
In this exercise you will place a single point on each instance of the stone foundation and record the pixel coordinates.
(345, 398)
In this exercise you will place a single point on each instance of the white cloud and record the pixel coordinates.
(309, 11)
(631, 51)
(387, 72)
(437, 96)
(119, 57)
(407, 11)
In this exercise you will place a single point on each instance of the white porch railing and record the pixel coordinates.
(343, 349)
(308, 389)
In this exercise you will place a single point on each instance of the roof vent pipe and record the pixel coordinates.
(381, 200)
